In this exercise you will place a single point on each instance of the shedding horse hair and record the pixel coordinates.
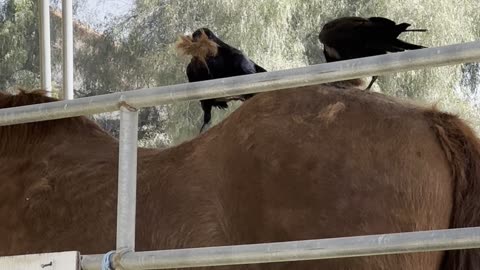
(200, 49)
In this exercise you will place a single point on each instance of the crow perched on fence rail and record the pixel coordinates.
(213, 59)
(355, 37)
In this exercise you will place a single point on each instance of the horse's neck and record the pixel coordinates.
(40, 137)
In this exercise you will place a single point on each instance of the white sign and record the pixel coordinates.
(45, 261)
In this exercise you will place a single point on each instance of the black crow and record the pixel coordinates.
(213, 59)
(355, 37)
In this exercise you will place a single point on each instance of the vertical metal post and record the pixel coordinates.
(45, 64)
(67, 49)
(127, 178)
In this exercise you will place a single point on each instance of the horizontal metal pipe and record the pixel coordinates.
(357, 246)
(260, 82)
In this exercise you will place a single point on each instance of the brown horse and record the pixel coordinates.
(306, 163)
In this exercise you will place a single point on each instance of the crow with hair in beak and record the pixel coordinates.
(355, 37)
(213, 59)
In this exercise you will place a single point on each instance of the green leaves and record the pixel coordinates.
(137, 50)
(18, 44)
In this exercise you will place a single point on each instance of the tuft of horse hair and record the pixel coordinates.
(201, 49)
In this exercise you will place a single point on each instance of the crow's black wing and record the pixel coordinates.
(245, 65)
(197, 71)
(384, 22)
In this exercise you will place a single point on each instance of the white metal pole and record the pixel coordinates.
(127, 178)
(409, 242)
(67, 49)
(45, 64)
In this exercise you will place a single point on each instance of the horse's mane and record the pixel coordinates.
(27, 134)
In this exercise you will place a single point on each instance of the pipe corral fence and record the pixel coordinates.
(128, 103)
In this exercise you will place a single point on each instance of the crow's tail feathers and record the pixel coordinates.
(406, 46)
(415, 30)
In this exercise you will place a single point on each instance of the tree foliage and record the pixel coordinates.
(137, 50)
(19, 44)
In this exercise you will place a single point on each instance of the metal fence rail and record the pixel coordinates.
(260, 82)
(296, 250)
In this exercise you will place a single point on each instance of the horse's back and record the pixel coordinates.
(324, 162)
